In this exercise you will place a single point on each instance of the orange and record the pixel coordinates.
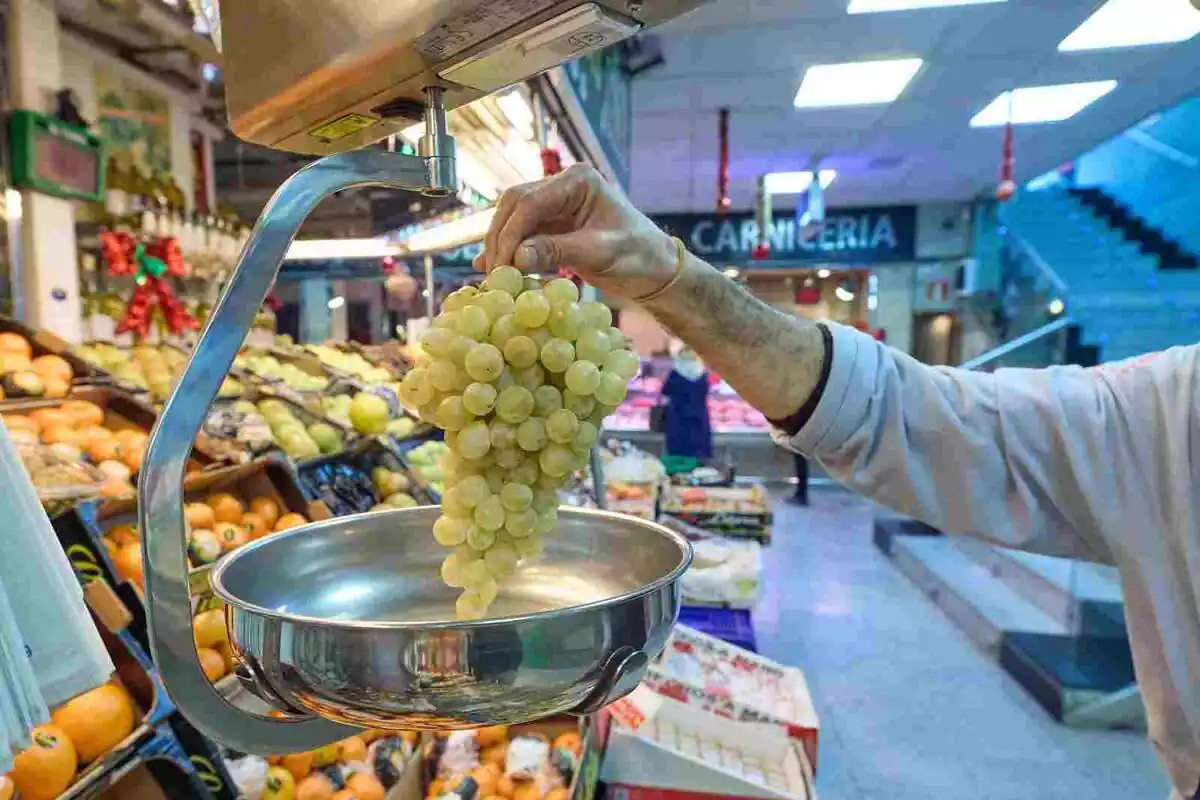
(568, 741)
(18, 422)
(506, 786)
(129, 563)
(133, 455)
(254, 525)
(200, 516)
(55, 387)
(266, 508)
(326, 755)
(527, 791)
(115, 488)
(486, 737)
(365, 786)
(557, 794)
(47, 767)
(346, 794)
(496, 754)
(7, 789)
(84, 412)
(52, 366)
(226, 507)
(209, 628)
(280, 785)
(230, 536)
(212, 663)
(299, 764)
(131, 436)
(107, 449)
(487, 776)
(352, 749)
(289, 520)
(45, 417)
(315, 787)
(125, 534)
(58, 432)
(226, 652)
(96, 721)
(93, 433)
(15, 343)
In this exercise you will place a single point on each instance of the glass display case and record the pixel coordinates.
(728, 413)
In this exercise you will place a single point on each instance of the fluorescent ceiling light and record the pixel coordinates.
(871, 6)
(319, 249)
(516, 108)
(795, 182)
(1041, 103)
(1133, 23)
(449, 235)
(861, 83)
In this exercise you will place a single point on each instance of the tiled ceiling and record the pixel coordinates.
(750, 55)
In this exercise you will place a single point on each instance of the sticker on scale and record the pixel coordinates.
(342, 127)
(477, 23)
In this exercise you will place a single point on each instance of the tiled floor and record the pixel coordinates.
(910, 709)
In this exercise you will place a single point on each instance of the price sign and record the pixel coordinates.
(50, 156)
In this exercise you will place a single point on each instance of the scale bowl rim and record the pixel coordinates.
(219, 589)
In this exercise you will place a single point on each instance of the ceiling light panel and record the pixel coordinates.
(1035, 104)
(873, 6)
(862, 83)
(1135, 23)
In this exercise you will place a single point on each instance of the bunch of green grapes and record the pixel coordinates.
(520, 376)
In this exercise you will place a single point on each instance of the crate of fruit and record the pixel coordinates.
(37, 363)
(366, 476)
(423, 455)
(95, 427)
(258, 422)
(298, 377)
(736, 511)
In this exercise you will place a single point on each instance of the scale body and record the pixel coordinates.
(327, 79)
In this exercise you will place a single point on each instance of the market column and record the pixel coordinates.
(47, 278)
(316, 318)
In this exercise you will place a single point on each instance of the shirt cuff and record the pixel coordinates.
(848, 392)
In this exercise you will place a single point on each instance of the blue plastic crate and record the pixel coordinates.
(733, 625)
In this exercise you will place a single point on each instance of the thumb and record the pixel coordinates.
(577, 251)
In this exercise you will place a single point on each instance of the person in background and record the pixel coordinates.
(1101, 464)
(688, 431)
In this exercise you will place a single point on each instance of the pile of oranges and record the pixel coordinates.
(338, 771)
(49, 372)
(81, 731)
(76, 431)
(491, 774)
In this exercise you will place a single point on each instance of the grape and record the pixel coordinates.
(496, 476)
(504, 329)
(428, 412)
(479, 538)
(484, 362)
(547, 520)
(623, 363)
(474, 572)
(474, 441)
(546, 399)
(479, 398)
(489, 515)
(531, 435)
(451, 438)
(416, 389)
(514, 404)
(561, 291)
(459, 349)
(472, 490)
(561, 426)
(532, 284)
(521, 523)
(581, 407)
(583, 378)
(508, 458)
(496, 303)
(437, 341)
(556, 460)
(532, 309)
(601, 413)
(557, 355)
(597, 315)
(454, 301)
(487, 591)
(461, 381)
(501, 559)
(516, 497)
(505, 380)
(566, 321)
(503, 435)
(586, 436)
(532, 377)
(451, 415)
(545, 499)
(529, 546)
(470, 605)
(521, 352)
(612, 389)
(453, 504)
(593, 345)
(452, 571)
(473, 322)
(506, 279)
(527, 472)
(617, 339)
(540, 336)
(450, 531)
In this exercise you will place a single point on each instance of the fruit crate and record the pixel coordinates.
(405, 449)
(254, 395)
(343, 482)
(304, 362)
(44, 343)
(206, 763)
(733, 625)
(158, 770)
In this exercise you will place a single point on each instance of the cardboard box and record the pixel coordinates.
(662, 748)
(714, 676)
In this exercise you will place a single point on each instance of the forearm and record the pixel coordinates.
(771, 359)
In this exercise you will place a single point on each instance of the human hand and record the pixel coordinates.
(577, 220)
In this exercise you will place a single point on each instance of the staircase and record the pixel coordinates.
(1131, 290)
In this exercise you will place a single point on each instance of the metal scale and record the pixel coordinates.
(344, 624)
